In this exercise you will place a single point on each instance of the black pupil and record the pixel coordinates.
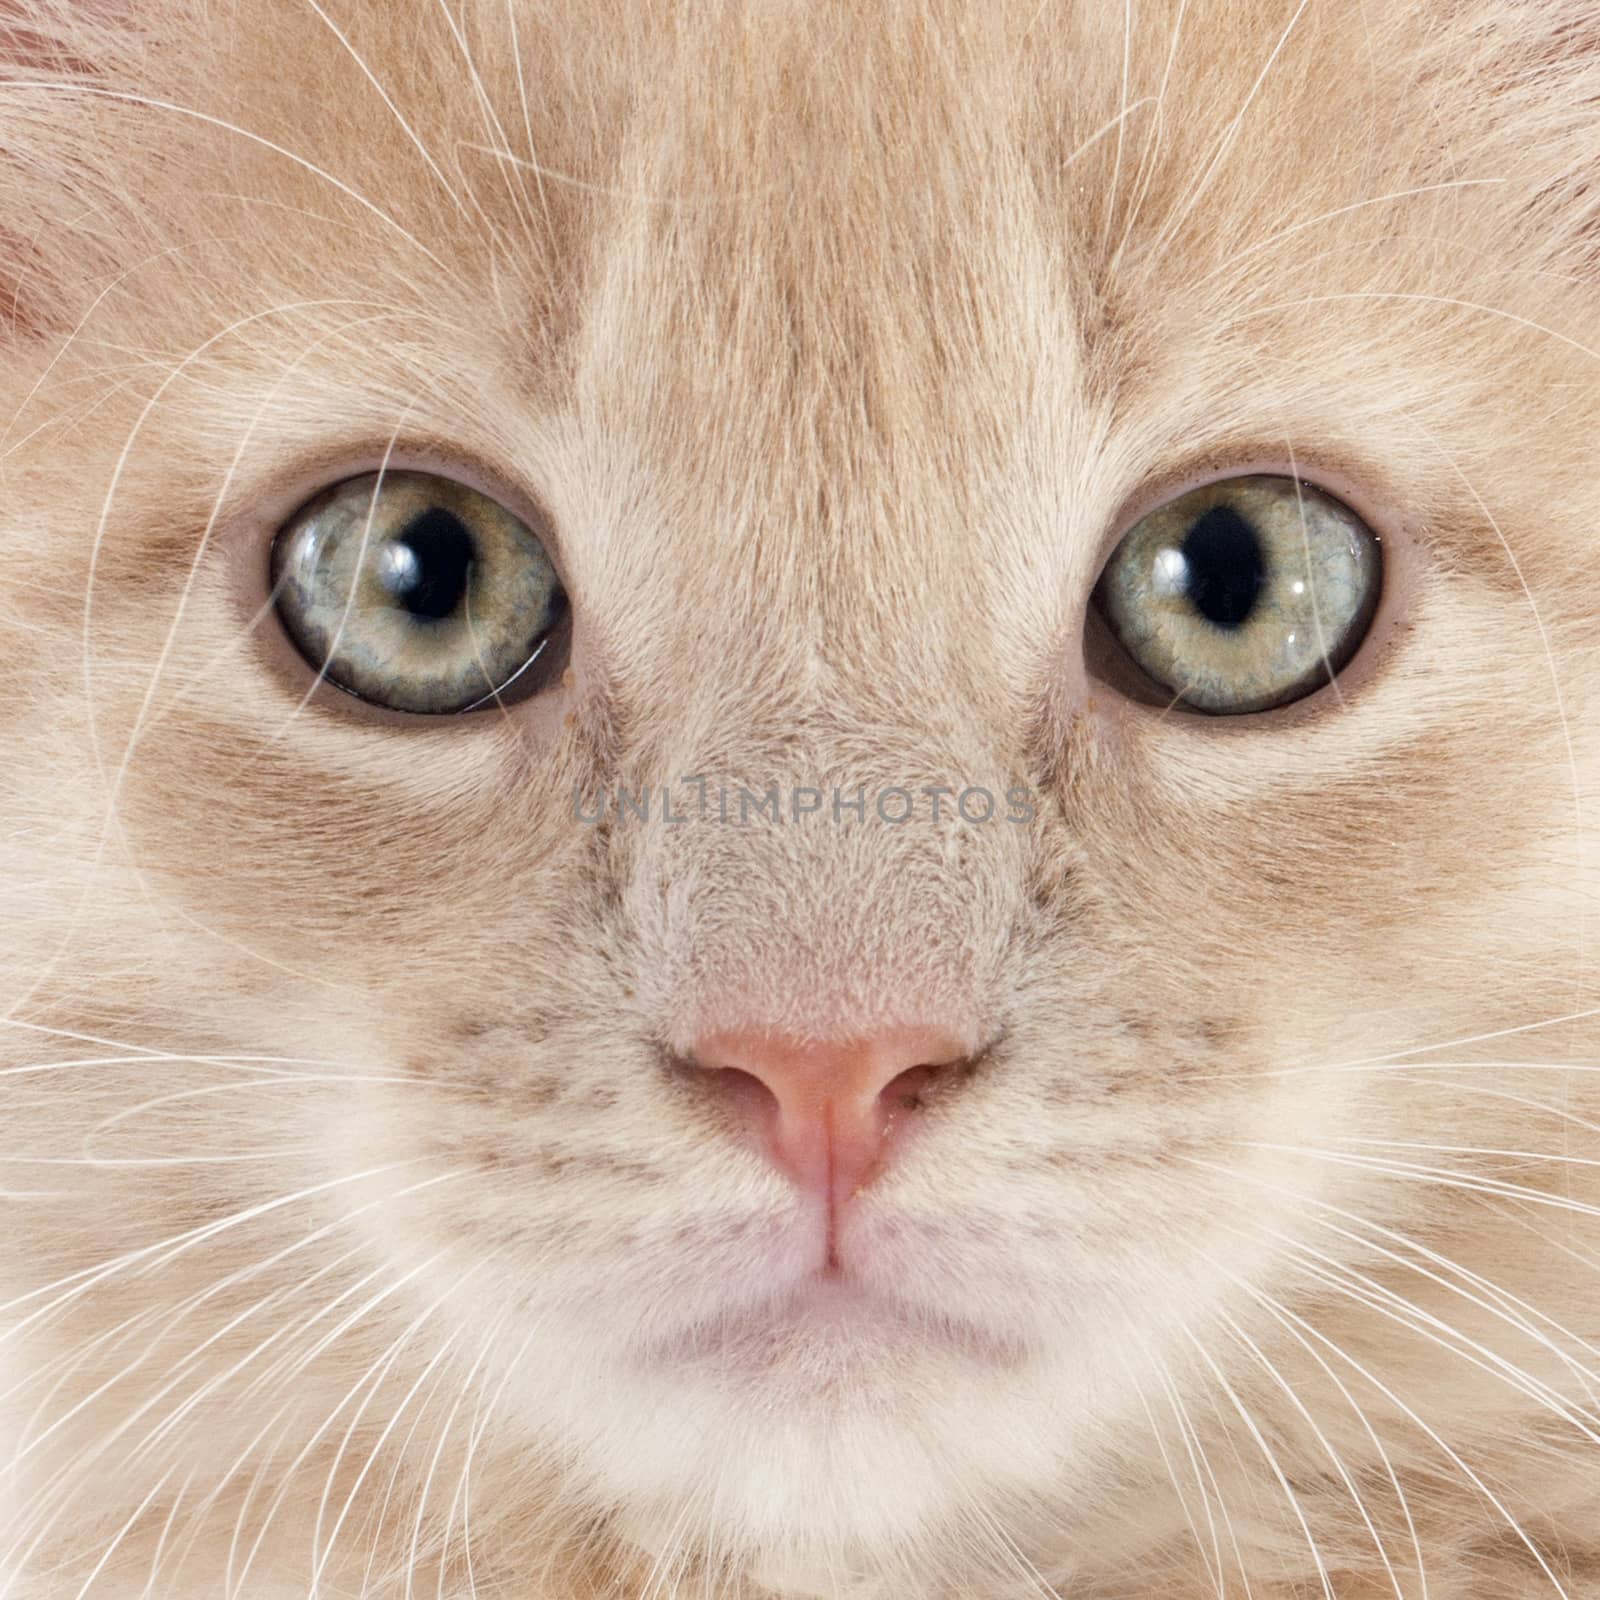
(1226, 568)
(426, 566)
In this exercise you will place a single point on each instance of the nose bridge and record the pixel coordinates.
(826, 891)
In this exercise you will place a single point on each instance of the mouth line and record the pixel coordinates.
(832, 1304)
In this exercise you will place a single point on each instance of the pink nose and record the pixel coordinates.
(828, 1114)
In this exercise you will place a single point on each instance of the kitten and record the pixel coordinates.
(1158, 436)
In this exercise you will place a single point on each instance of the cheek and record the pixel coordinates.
(1417, 842)
(357, 849)
(293, 818)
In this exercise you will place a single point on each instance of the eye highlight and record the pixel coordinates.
(1243, 595)
(413, 591)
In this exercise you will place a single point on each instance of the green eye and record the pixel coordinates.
(418, 593)
(1243, 595)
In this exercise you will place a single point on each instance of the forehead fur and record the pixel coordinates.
(857, 288)
(810, 267)
(525, 155)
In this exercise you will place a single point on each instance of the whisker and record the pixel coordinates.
(159, 1552)
(370, 1380)
(1323, 1209)
(1333, 1455)
(1149, 159)
(383, 94)
(1431, 1433)
(1332, 215)
(146, 1256)
(1212, 1559)
(1270, 1456)
(323, 1544)
(1445, 1177)
(1174, 223)
(1419, 298)
(115, 1542)
(1196, 1447)
(527, 115)
(404, 1453)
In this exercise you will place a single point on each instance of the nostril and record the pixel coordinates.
(741, 1096)
(917, 1085)
(741, 1089)
(829, 1114)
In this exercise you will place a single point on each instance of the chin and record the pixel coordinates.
(800, 1422)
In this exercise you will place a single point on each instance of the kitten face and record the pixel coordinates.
(366, 1218)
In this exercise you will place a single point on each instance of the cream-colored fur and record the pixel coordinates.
(346, 1195)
